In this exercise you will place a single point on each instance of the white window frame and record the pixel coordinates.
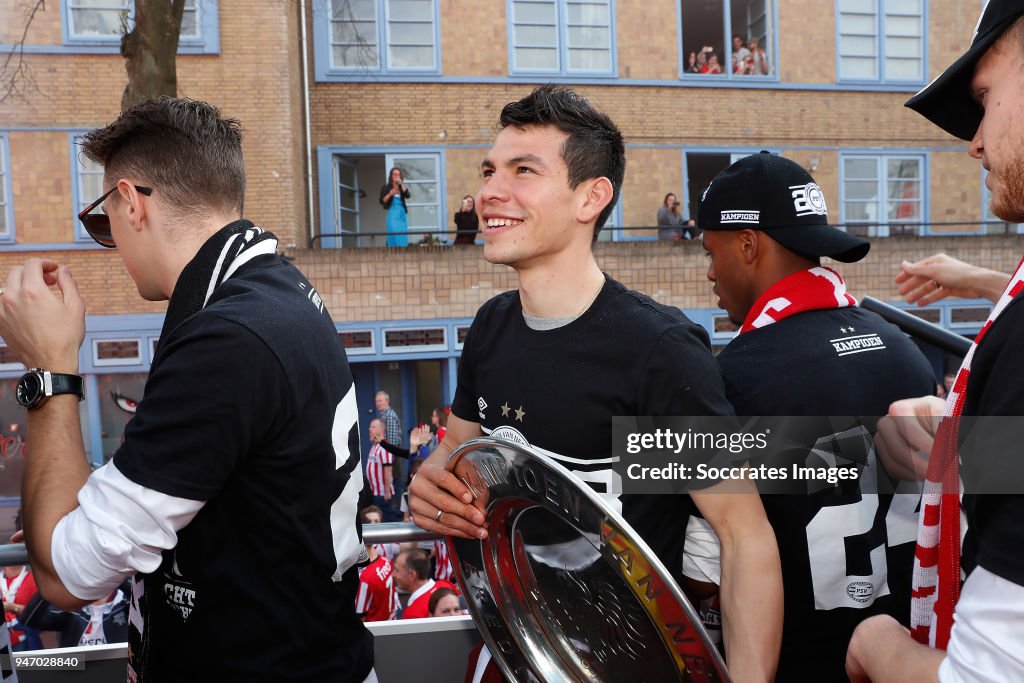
(384, 43)
(81, 167)
(562, 45)
(73, 36)
(882, 19)
(882, 220)
(361, 352)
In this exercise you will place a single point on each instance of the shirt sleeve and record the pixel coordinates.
(464, 403)
(681, 376)
(217, 393)
(987, 632)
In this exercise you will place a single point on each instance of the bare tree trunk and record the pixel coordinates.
(150, 50)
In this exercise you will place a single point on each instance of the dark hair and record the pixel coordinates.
(369, 510)
(184, 149)
(736, 35)
(436, 597)
(594, 148)
(392, 172)
(665, 200)
(442, 415)
(418, 562)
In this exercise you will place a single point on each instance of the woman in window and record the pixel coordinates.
(398, 218)
(466, 222)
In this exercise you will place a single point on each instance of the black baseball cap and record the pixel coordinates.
(947, 100)
(771, 193)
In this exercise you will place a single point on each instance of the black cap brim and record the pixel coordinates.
(947, 100)
(823, 240)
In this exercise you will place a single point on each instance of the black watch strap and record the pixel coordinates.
(67, 384)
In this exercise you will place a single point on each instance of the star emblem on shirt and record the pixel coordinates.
(847, 330)
(520, 414)
(505, 408)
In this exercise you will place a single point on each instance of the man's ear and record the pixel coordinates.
(135, 204)
(750, 245)
(597, 195)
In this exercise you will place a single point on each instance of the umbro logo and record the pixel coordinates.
(481, 403)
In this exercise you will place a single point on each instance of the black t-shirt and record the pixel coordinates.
(558, 390)
(246, 403)
(845, 556)
(992, 460)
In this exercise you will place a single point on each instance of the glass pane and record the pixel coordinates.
(405, 33)
(903, 47)
(347, 199)
(859, 24)
(3, 219)
(586, 36)
(590, 60)
(536, 58)
(909, 210)
(412, 57)
(535, 36)
(417, 168)
(859, 67)
(860, 169)
(354, 32)
(91, 187)
(903, 7)
(411, 10)
(902, 26)
(904, 189)
(423, 193)
(858, 46)
(903, 68)
(189, 25)
(860, 189)
(861, 211)
(534, 12)
(423, 216)
(867, 6)
(101, 4)
(348, 10)
(97, 22)
(590, 13)
(903, 168)
(356, 55)
(346, 175)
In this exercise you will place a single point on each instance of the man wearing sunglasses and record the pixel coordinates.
(243, 455)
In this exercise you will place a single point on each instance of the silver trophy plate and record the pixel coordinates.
(563, 589)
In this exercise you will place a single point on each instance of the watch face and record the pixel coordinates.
(30, 390)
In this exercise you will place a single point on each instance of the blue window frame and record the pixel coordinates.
(356, 38)
(881, 41)
(101, 23)
(883, 193)
(561, 37)
(708, 33)
(6, 209)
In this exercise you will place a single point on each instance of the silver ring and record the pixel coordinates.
(437, 517)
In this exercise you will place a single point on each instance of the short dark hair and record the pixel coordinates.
(437, 596)
(369, 510)
(184, 149)
(594, 148)
(418, 561)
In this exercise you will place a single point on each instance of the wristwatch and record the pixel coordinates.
(37, 385)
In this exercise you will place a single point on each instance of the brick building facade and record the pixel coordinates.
(419, 83)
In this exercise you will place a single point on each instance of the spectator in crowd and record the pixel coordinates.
(392, 423)
(371, 514)
(99, 623)
(692, 65)
(380, 472)
(438, 426)
(398, 212)
(758, 59)
(444, 602)
(412, 575)
(376, 598)
(19, 586)
(670, 221)
(690, 229)
(742, 61)
(443, 570)
(713, 66)
(418, 437)
(467, 223)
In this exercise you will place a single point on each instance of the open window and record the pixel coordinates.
(728, 38)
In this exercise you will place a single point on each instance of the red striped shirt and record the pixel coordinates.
(375, 463)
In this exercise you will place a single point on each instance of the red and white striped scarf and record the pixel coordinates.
(936, 587)
(806, 290)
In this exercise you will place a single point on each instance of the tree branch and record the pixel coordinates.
(16, 79)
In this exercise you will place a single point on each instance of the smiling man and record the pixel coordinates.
(549, 364)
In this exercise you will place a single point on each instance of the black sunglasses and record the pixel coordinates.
(98, 224)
